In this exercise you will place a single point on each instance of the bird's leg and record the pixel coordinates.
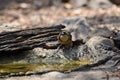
(55, 53)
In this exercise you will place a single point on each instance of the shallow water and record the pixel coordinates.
(7, 69)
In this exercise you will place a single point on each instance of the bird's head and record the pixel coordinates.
(65, 38)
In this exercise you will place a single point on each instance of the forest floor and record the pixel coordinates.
(23, 16)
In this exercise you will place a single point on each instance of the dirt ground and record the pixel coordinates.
(24, 15)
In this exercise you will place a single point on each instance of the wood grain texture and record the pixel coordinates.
(29, 38)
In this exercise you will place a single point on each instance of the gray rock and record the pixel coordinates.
(93, 4)
(46, 3)
(103, 32)
(40, 3)
(114, 78)
(90, 75)
(7, 27)
(79, 3)
(78, 27)
(100, 48)
(96, 48)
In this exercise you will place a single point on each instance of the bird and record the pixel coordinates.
(65, 39)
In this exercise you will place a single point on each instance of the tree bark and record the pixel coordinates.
(28, 39)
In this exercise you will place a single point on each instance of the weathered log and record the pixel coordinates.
(28, 39)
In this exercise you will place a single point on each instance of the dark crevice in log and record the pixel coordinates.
(29, 38)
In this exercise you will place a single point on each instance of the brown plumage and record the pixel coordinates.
(65, 38)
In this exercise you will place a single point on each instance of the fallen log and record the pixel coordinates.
(28, 39)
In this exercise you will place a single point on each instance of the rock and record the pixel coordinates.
(100, 48)
(110, 34)
(24, 6)
(114, 61)
(98, 44)
(7, 27)
(90, 75)
(104, 32)
(78, 27)
(47, 55)
(79, 3)
(95, 49)
(93, 4)
(55, 74)
(46, 3)
(40, 3)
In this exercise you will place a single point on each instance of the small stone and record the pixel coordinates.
(54, 74)
(12, 74)
(24, 5)
(29, 72)
(21, 73)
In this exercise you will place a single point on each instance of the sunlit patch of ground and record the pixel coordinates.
(27, 18)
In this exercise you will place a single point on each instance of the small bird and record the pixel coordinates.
(65, 39)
